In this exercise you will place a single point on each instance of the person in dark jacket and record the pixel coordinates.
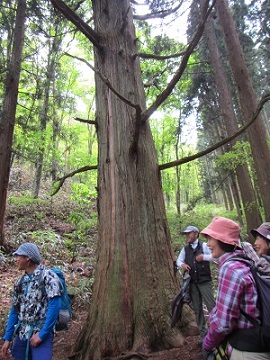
(194, 258)
(262, 247)
(36, 303)
(262, 240)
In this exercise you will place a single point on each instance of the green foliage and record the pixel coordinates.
(81, 193)
(165, 130)
(83, 290)
(41, 237)
(49, 242)
(239, 155)
(68, 144)
(23, 201)
(175, 227)
(61, 212)
(200, 217)
(157, 73)
(64, 143)
(83, 221)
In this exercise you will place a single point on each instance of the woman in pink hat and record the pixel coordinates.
(236, 296)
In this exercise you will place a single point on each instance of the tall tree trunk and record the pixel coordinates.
(256, 133)
(225, 199)
(55, 135)
(227, 188)
(237, 200)
(251, 208)
(178, 170)
(44, 114)
(209, 168)
(135, 277)
(7, 120)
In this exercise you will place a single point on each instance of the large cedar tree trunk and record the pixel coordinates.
(248, 102)
(251, 209)
(7, 120)
(134, 283)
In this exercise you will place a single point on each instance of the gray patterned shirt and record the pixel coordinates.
(30, 299)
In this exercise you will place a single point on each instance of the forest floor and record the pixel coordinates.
(23, 222)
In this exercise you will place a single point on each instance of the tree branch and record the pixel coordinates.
(158, 14)
(130, 355)
(91, 122)
(107, 82)
(78, 22)
(63, 179)
(164, 95)
(187, 159)
(160, 57)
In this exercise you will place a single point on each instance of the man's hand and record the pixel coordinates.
(4, 350)
(35, 340)
(199, 258)
(208, 355)
(185, 267)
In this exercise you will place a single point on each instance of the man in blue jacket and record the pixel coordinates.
(36, 303)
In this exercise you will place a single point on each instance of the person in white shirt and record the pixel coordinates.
(195, 258)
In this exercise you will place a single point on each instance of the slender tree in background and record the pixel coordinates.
(248, 102)
(178, 172)
(44, 114)
(7, 120)
(259, 13)
(251, 208)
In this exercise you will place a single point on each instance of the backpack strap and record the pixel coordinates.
(249, 263)
(41, 284)
(253, 321)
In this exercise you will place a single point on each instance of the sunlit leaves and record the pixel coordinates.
(239, 155)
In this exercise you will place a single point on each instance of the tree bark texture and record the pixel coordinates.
(237, 198)
(250, 206)
(7, 120)
(134, 282)
(248, 102)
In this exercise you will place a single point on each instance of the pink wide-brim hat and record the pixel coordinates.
(224, 230)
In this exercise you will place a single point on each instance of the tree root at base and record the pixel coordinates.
(130, 356)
